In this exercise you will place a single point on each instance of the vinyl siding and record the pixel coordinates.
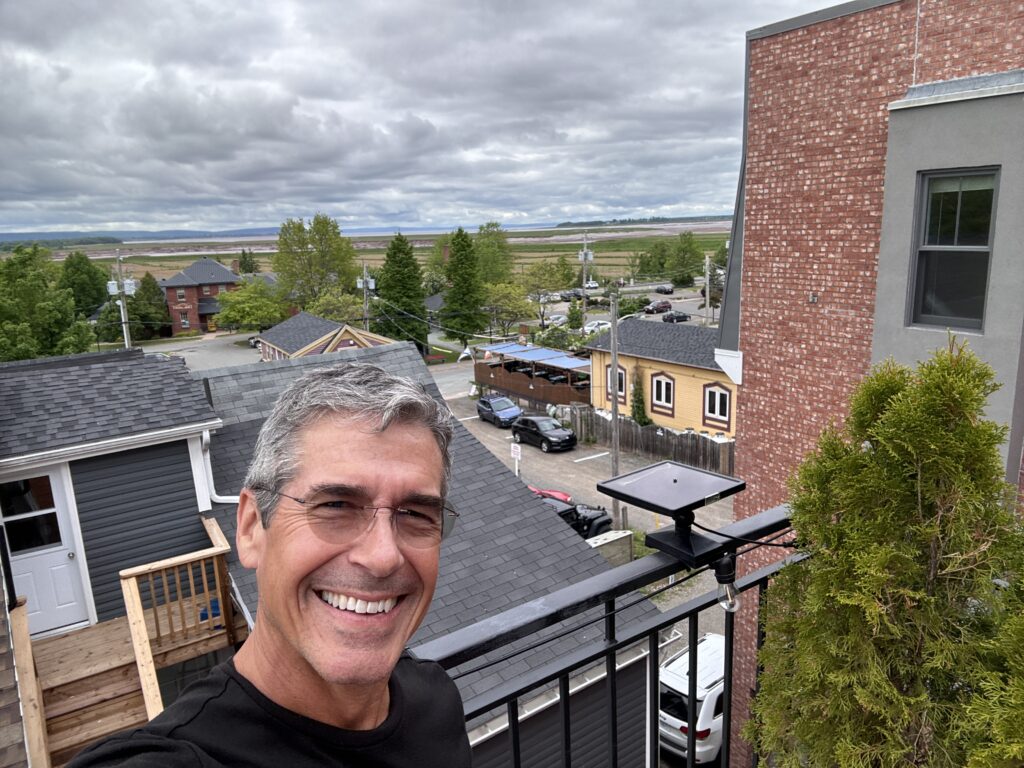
(134, 508)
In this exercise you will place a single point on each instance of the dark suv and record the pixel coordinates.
(543, 431)
(667, 289)
(498, 410)
(586, 521)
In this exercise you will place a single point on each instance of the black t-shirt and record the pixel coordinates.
(223, 720)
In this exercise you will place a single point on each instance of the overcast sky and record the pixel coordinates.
(234, 113)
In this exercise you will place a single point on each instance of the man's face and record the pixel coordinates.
(301, 576)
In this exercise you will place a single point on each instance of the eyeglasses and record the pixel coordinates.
(341, 521)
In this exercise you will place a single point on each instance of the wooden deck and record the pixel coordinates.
(90, 682)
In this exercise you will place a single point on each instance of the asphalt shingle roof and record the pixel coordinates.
(55, 402)
(508, 548)
(205, 271)
(668, 342)
(298, 331)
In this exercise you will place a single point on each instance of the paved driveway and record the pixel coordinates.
(213, 350)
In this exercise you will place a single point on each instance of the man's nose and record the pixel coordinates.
(378, 549)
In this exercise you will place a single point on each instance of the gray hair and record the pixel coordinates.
(362, 392)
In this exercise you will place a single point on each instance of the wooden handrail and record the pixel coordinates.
(28, 688)
(176, 599)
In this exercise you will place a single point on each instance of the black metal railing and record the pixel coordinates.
(474, 649)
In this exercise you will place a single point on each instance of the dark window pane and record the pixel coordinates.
(32, 532)
(975, 217)
(951, 287)
(22, 496)
(942, 206)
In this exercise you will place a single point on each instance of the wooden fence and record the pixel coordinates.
(695, 449)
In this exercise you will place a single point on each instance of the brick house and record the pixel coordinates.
(192, 294)
(863, 122)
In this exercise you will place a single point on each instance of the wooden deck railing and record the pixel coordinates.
(176, 601)
(28, 687)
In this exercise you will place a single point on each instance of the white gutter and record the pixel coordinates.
(214, 496)
(113, 445)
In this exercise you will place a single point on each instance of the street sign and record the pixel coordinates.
(517, 451)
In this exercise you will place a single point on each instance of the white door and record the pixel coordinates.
(43, 557)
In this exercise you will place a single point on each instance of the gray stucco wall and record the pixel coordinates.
(963, 134)
(134, 507)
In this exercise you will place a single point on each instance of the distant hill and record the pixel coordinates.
(651, 220)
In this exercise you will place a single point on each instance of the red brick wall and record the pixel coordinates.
(815, 165)
(189, 304)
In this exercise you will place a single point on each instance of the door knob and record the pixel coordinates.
(71, 555)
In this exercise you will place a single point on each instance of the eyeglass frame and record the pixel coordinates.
(448, 514)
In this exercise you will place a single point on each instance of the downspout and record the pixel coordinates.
(214, 496)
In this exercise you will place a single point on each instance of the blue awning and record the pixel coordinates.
(536, 354)
(568, 363)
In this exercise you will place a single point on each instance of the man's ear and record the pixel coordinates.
(249, 532)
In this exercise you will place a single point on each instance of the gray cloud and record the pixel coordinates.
(134, 113)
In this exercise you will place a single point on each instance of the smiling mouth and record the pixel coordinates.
(346, 603)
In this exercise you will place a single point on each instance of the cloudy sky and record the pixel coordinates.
(234, 113)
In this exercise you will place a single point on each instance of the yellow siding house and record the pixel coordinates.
(674, 364)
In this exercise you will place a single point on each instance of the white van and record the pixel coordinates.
(675, 687)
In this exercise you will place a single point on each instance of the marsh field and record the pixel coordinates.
(612, 246)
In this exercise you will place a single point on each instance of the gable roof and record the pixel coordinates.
(72, 402)
(506, 549)
(298, 332)
(206, 271)
(665, 342)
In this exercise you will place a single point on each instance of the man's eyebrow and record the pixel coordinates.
(359, 492)
(336, 489)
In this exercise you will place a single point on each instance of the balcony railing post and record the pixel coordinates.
(691, 692)
(730, 622)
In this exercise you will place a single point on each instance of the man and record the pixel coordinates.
(342, 516)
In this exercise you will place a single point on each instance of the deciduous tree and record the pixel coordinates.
(339, 306)
(507, 305)
(87, 282)
(879, 643)
(536, 280)
(493, 253)
(401, 311)
(310, 259)
(461, 315)
(31, 301)
(252, 306)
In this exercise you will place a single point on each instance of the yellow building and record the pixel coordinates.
(674, 364)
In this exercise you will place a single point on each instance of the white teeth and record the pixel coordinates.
(346, 603)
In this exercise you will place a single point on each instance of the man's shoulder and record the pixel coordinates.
(141, 749)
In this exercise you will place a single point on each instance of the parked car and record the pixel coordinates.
(588, 522)
(557, 321)
(254, 342)
(544, 432)
(675, 316)
(657, 307)
(591, 285)
(550, 493)
(675, 686)
(596, 325)
(572, 293)
(498, 410)
(666, 289)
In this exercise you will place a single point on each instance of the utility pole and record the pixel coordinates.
(367, 283)
(585, 255)
(707, 290)
(614, 308)
(122, 288)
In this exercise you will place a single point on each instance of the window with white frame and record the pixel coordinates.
(183, 319)
(951, 271)
(621, 382)
(663, 392)
(206, 290)
(716, 404)
(180, 292)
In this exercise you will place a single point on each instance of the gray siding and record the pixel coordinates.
(972, 133)
(134, 507)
